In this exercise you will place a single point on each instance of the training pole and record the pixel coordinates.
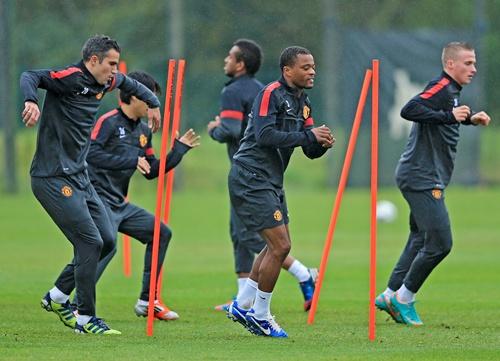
(159, 196)
(338, 199)
(176, 121)
(374, 189)
(127, 254)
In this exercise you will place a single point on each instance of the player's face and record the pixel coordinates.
(104, 71)
(231, 64)
(463, 67)
(303, 71)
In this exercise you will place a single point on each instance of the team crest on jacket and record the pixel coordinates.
(99, 95)
(277, 215)
(437, 193)
(143, 140)
(67, 191)
(306, 112)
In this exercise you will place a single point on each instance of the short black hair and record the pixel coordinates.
(143, 78)
(99, 45)
(289, 55)
(250, 53)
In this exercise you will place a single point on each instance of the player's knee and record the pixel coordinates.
(281, 250)
(442, 242)
(108, 244)
(165, 234)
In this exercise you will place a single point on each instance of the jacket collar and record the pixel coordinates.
(447, 76)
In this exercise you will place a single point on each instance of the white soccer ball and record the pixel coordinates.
(386, 211)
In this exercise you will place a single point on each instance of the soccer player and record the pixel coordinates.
(59, 177)
(281, 120)
(423, 172)
(120, 144)
(241, 64)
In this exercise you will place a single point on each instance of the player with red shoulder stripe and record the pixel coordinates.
(59, 177)
(422, 174)
(281, 120)
(241, 64)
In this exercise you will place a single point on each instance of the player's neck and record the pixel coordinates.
(129, 112)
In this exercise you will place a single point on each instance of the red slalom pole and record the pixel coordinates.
(374, 189)
(176, 121)
(127, 254)
(338, 199)
(159, 196)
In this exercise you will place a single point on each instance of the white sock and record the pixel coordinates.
(299, 271)
(83, 319)
(142, 302)
(241, 284)
(389, 293)
(405, 295)
(57, 296)
(247, 295)
(262, 305)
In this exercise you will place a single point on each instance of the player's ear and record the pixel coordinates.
(94, 59)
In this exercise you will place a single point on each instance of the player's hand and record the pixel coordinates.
(154, 119)
(30, 114)
(190, 138)
(323, 136)
(481, 118)
(213, 124)
(461, 113)
(143, 165)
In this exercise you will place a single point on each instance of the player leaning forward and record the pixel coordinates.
(59, 177)
(422, 174)
(280, 121)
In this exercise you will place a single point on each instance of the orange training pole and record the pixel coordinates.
(374, 188)
(338, 199)
(159, 196)
(176, 121)
(127, 254)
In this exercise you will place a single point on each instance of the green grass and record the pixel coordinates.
(459, 303)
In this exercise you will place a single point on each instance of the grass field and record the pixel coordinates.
(459, 303)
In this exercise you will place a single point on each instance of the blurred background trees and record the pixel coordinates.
(47, 34)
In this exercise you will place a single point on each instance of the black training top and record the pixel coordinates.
(429, 156)
(71, 104)
(280, 121)
(116, 143)
(236, 104)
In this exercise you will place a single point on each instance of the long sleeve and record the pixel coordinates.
(100, 158)
(174, 157)
(231, 116)
(130, 85)
(59, 82)
(313, 150)
(432, 106)
(265, 110)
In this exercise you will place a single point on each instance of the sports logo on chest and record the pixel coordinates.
(143, 140)
(121, 132)
(455, 102)
(306, 112)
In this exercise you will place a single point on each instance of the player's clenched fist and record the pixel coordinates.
(324, 136)
(461, 113)
(30, 114)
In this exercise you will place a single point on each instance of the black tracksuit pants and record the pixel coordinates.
(73, 204)
(429, 242)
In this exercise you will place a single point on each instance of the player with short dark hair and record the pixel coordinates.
(280, 121)
(423, 172)
(59, 177)
(241, 64)
(120, 144)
